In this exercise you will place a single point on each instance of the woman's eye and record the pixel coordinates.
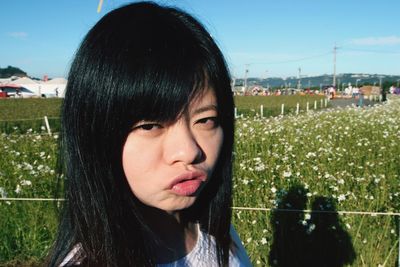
(209, 122)
(147, 126)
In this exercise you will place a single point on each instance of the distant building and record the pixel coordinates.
(50, 88)
(370, 90)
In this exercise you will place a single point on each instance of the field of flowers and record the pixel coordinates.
(326, 161)
(27, 170)
(333, 160)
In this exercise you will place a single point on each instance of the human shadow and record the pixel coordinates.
(329, 244)
(289, 235)
(317, 239)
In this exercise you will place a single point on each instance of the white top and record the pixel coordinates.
(204, 254)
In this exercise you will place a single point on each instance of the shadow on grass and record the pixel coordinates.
(316, 239)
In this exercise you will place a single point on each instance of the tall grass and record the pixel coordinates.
(28, 170)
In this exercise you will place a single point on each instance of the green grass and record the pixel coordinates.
(23, 109)
(338, 160)
(272, 105)
(20, 115)
(31, 108)
(27, 230)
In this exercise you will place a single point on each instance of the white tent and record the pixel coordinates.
(5, 80)
(25, 81)
(57, 81)
(52, 88)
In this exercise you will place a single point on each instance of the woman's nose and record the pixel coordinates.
(180, 145)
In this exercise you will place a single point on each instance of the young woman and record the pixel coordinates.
(147, 136)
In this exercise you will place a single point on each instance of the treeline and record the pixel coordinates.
(11, 71)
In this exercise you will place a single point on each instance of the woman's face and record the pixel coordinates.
(167, 165)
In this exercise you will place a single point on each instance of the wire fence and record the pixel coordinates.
(32, 119)
(371, 213)
(342, 212)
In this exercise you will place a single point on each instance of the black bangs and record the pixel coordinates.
(162, 80)
(159, 68)
(164, 99)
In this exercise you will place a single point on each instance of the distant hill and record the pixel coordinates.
(324, 80)
(12, 71)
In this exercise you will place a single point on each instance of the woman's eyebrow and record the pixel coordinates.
(205, 108)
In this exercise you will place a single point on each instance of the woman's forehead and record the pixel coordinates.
(204, 97)
(204, 100)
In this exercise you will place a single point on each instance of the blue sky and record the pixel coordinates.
(269, 38)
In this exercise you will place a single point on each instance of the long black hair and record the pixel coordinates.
(141, 61)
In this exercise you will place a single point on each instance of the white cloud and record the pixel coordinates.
(18, 35)
(388, 40)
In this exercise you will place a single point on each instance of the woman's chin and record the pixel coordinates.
(178, 204)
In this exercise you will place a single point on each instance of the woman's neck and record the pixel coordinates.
(175, 237)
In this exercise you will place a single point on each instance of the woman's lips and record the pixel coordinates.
(188, 183)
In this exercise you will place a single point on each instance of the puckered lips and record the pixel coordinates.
(187, 183)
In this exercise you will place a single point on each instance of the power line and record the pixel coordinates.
(372, 51)
(291, 60)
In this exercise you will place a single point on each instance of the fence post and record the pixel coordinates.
(47, 125)
(315, 104)
(282, 109)
(236, 113)
(308, 104)
(262, 111)
(297, 109)
(322, 102)
(326, 102)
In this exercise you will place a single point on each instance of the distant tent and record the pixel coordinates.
(24, 80)
(57, 81)
(5, 80)
(9, 85)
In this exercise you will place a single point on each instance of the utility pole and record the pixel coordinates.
(383, 92)
(245, 78)
(299, 82)
(233, 83)
(357, 82)
(334, 66)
